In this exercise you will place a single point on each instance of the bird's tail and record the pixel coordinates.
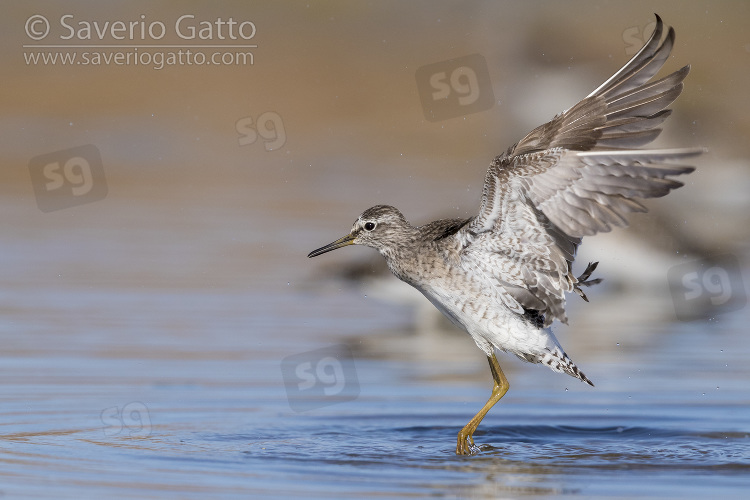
(583, 280)
(558, 361)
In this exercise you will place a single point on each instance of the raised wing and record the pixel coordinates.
(572, 177)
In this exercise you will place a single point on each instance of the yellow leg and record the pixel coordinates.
(465, 444)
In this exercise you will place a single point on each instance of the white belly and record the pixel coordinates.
(492, 325)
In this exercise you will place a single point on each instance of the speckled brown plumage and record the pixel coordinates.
(502, 275)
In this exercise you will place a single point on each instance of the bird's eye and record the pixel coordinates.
(369, 226)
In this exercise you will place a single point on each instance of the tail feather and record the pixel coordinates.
(558, 361)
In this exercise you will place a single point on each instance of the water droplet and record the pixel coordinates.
(618, 343)
(566, 389)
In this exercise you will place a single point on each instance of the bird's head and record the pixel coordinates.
(381, 227)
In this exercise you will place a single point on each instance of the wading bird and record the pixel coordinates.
(502, 275)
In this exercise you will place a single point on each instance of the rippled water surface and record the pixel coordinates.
(150, 391)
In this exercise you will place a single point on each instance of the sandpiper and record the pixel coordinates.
(502, 275)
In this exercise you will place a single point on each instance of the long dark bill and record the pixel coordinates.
(341, 242)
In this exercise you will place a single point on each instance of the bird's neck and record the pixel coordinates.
(401, 258)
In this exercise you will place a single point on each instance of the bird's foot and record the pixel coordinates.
(465, 445)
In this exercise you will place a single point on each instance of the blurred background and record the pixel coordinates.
(177, 276)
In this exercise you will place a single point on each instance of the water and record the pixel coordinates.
(124, 377)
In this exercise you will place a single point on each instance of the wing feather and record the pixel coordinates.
(575, 176)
